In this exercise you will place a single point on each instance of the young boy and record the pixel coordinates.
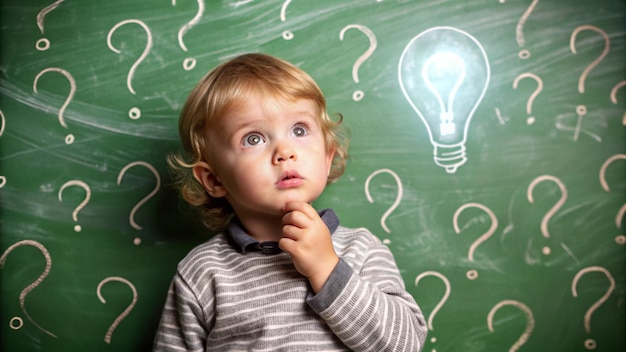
(279, 275)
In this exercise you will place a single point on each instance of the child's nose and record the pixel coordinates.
(284, 151)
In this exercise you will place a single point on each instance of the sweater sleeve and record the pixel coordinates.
(370, 310)
(182, 326)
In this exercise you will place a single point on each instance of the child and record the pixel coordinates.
(279, 275)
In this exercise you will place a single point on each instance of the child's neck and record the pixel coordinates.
(263, 228)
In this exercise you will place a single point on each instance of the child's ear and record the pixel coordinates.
(212, 184)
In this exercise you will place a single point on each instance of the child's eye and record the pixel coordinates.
(253, 139)
(300, 130)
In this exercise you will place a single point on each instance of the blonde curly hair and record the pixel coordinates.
(221, 88)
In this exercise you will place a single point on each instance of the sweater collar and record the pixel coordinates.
(243, 242)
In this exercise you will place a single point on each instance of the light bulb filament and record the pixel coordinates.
(439, 66)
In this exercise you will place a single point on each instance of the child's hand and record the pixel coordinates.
(307, 239)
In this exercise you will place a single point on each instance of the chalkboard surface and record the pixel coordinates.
(488, 152)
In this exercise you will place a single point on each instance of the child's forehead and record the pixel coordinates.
(269, 101)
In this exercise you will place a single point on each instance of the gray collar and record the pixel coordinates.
(245, 243)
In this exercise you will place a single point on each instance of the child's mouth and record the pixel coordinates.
(289, 179)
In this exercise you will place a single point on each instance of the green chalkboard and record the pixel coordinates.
(505, 212)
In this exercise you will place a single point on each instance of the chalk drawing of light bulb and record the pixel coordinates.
(444, 73)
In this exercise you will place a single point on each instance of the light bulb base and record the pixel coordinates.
(450, 157)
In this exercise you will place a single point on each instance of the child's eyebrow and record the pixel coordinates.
(241, 125)
(305, 113)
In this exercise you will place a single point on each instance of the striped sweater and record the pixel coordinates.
(224, 299)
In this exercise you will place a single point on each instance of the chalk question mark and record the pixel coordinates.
(555, 207)
(134, 113)
(131, 217)
(594, 63)
(358, 94)
(442, 301)
(82, 204)
(3, 179)
(519, 30)
(287, 35)
(590, 344)
(473, 274)
(189, 63)
(396, 202)
(531, 99)
(620, 239)
(43, 44)
(581, 110)
(124, 314)
(17, 322)
(69, 139)
(530, 321)
(2, 122)
(614, 97)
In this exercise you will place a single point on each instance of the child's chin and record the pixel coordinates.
(296, 198)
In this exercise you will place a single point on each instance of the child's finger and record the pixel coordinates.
(296, 218)
(287, 244)
(291, 232)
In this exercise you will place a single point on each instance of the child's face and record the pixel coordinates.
(265, 153)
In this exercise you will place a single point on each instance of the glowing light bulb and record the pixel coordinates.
(444, 74)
